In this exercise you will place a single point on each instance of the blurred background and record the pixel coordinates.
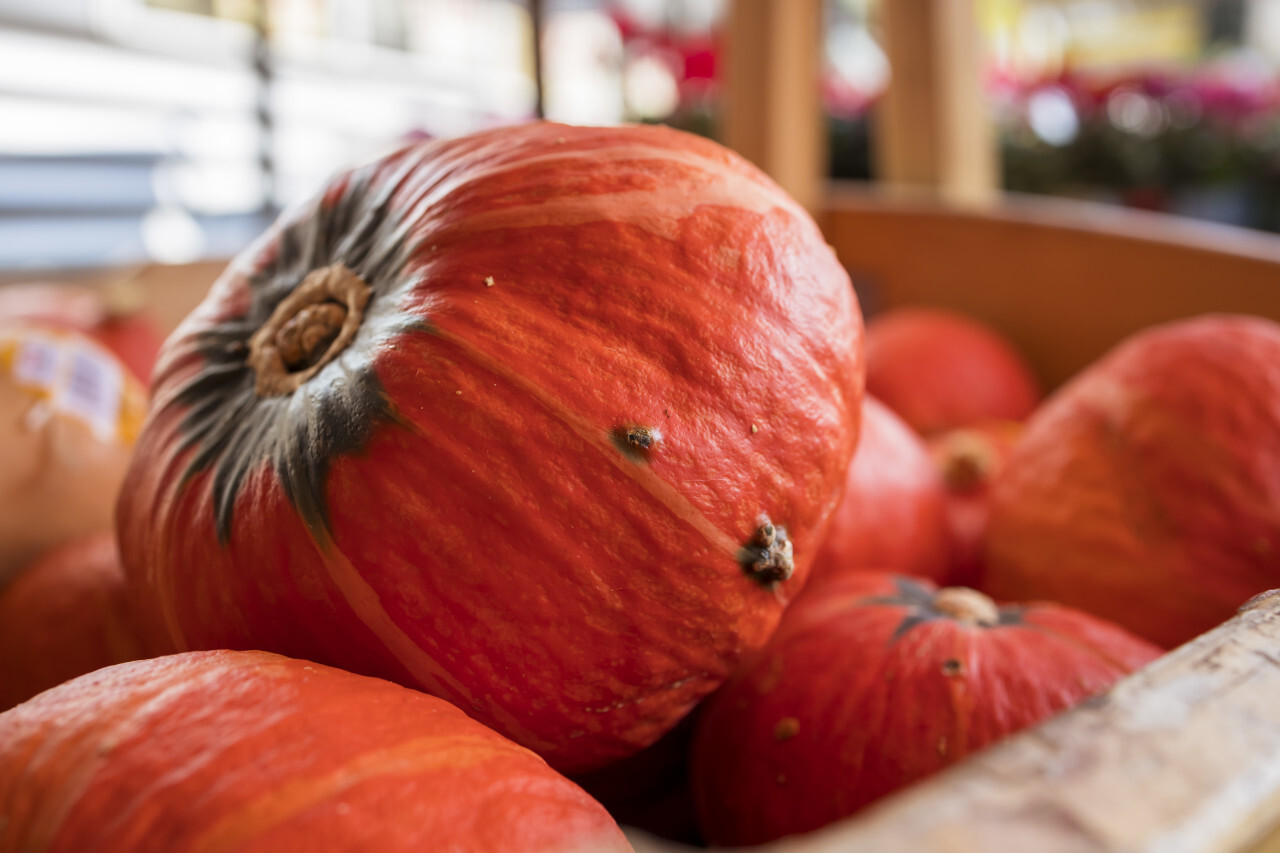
(173, 130)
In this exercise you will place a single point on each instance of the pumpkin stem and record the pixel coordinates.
(967, 606)
(308, 329)
(966, 459)
(768, 558)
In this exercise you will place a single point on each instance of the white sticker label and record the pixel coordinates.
(71, 377)
(37, 362)
(92, 390)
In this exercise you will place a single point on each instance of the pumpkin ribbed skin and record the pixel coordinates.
(66, 614)
(893, 513)
(219, 751)
(1147, 490)
(594, 363)
(874, 681)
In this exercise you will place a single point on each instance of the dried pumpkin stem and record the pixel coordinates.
(968, 458)
(967, 606)
(308, 329)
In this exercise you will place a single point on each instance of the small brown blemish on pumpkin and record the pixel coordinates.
(636, 441)
(782, 778)
(952, 667)
(786, 729)
(942, 747)
(639, 437)
(768, 556)
(1262, 546)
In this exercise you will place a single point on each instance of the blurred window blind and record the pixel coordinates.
(131, 132)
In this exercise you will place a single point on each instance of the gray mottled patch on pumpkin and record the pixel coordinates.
(233, 429)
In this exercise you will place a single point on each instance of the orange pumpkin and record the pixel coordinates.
(939, 370)
(66, 614)
(69, 415)
(253, 751)
(547, 421)
(1147, 490)
(894, 510)
(876, 680)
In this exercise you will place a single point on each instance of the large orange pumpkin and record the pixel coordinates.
(1147, 490)
(876, 680)
(547, 421)
(248, 751)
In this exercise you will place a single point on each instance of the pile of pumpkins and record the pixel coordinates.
(528, 483)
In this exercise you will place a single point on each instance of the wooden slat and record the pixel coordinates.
(931, 125)
(772, 109)
(1180, 757)
(1065, 280)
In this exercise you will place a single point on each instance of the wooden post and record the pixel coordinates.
(932, 128)
(772, 109)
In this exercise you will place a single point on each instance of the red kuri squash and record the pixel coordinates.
(876, 680)
(1147, 490)
(69, 415)
(547, 421)
(253, 751)
(64, 615)
(893, 513)
(939, 370)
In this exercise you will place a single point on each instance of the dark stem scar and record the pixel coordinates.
(919, 602)
(768, 557)
(234, 430)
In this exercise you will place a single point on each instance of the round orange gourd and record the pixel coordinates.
(69, 415)
(1147, 490)
(893, 513)
(547, 421)
(66, 614)
(876, 680)
(253, 751)
(939, 369)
